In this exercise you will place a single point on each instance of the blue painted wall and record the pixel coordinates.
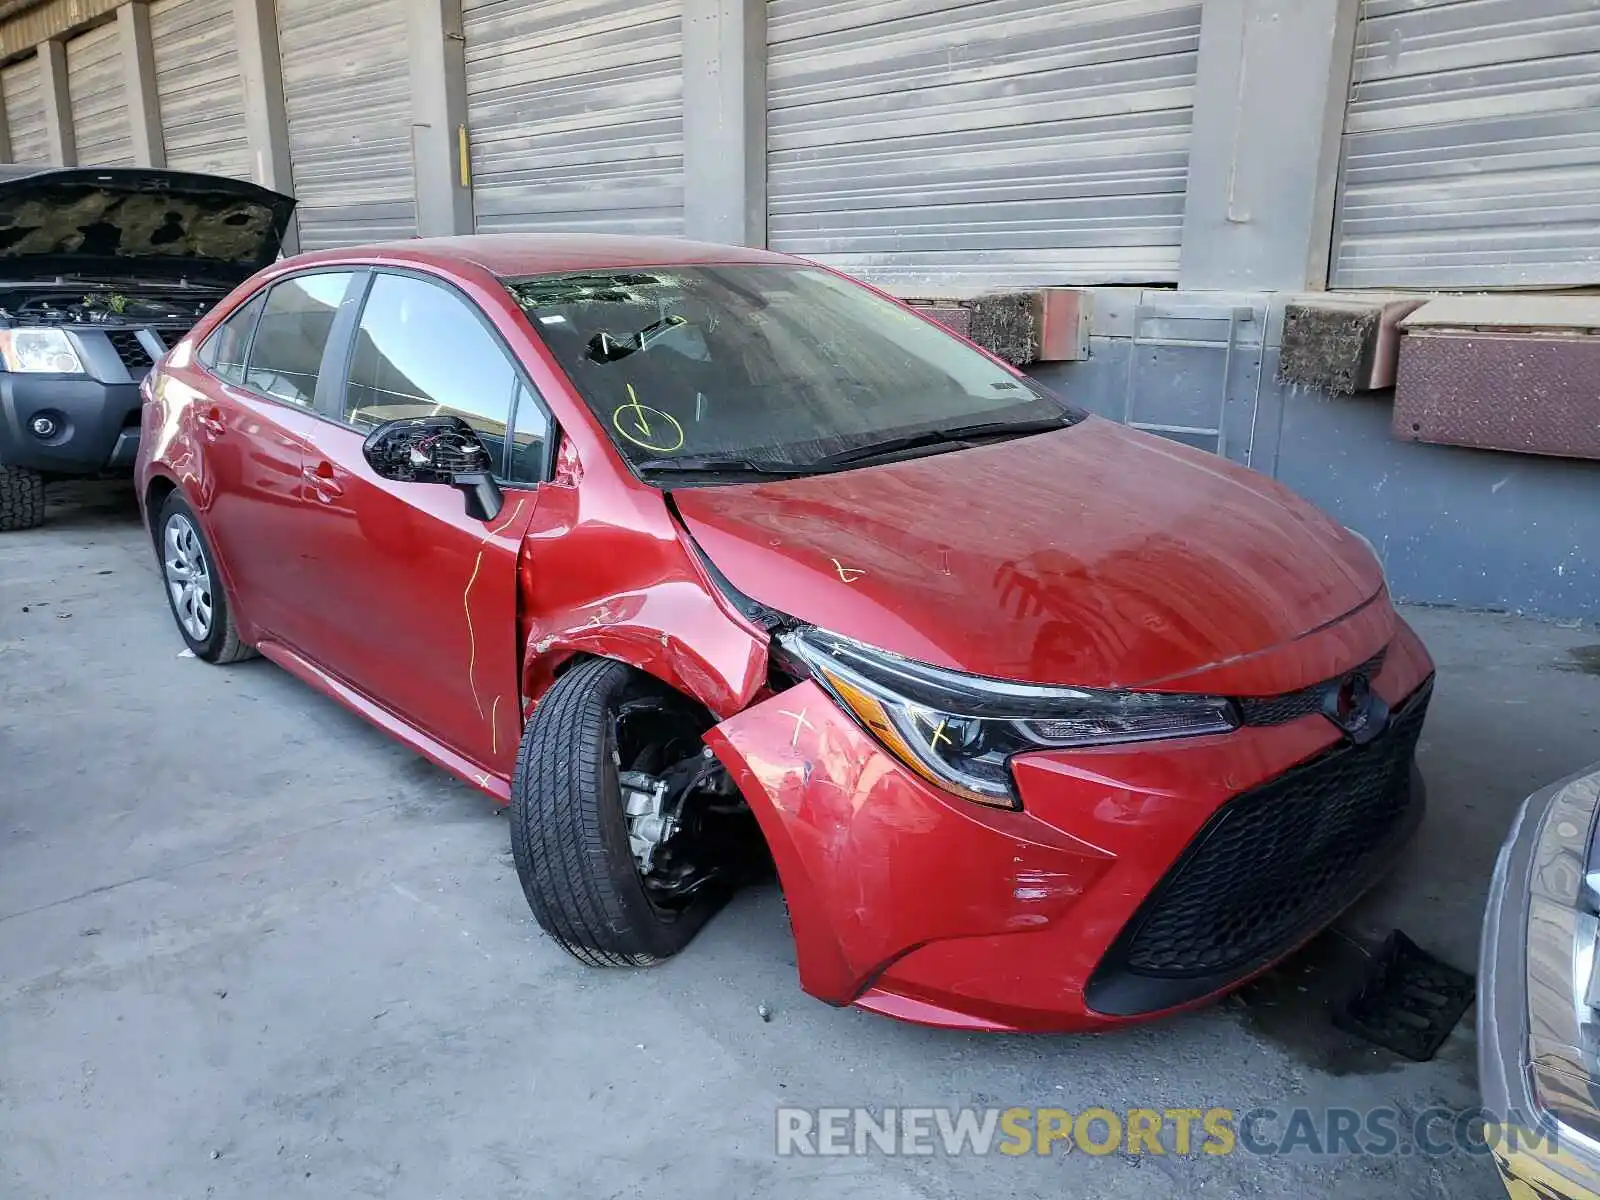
(1473, 528)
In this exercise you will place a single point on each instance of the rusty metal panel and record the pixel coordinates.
(1529, 393)
(957, 318)
(1061, 316)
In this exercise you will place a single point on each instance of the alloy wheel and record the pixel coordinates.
(188, 576)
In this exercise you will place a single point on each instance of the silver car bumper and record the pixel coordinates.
(1538, 1155)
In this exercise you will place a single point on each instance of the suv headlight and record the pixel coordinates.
(39, 350)
(959, 731)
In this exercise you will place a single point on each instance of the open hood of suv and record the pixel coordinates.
(137, 222)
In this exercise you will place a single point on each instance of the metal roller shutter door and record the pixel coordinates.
(19, 85)
(1471, 152)
(99, 106)
(981, 141)
(347, 94)
(199, 87)
(575, 110)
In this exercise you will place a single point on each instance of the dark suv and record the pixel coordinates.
(101, 269)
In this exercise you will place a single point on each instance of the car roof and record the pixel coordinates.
(510, 255)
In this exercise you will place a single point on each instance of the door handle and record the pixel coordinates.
(211, 422)
(321, 481)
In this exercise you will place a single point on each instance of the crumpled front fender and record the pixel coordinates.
(673, 631)
(605, 570)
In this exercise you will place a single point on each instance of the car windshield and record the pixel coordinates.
(727, 369)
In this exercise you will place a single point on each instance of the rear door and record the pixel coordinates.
(252, 427)
(408, 598)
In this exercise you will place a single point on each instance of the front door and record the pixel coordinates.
(408, 598)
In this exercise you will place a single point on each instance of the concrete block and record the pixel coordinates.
(1342, 344)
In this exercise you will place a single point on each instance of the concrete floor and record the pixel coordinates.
(251, 948)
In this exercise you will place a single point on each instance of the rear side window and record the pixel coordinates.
(286, 356)
(224, 351)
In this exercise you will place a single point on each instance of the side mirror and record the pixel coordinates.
(436, 450)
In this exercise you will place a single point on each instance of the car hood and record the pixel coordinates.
(1093, 555)
(137, 222)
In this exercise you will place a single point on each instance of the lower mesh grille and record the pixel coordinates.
(1274, 861)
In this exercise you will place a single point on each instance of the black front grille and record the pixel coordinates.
(129, 348)
(1271, 866)
(1291, 706)
(170, 335)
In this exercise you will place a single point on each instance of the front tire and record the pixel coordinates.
(569, 833)
(194, 590)
(21, 499)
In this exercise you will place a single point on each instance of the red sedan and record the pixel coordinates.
(709, 560)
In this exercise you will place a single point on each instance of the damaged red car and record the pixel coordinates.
(710, 561)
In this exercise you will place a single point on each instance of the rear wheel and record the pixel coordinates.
(21, 498)
(627, 834)
(194, 590)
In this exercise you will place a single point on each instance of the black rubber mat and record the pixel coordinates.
(1408, 1002)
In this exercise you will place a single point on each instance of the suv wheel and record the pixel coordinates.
(626, 833)
(21, 498)
(194, 590)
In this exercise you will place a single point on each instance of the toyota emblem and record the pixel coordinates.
(1355, 708)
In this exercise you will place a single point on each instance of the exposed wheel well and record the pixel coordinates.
(154, 497)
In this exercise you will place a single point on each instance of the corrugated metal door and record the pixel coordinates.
(1471, 152)
(99, 106)
(575, 111)
(19, 85)
(347, 94)
(199, 88)
(981, 141)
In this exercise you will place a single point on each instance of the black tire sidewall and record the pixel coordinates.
(647, 932)
(21, 499)
(210, 649)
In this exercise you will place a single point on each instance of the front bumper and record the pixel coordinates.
(96, 414)
(912, 902)
(97, 425)
(1541, 1157)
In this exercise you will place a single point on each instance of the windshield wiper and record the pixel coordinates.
(937, 437)
(692, 464)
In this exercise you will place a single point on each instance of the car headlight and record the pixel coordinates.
(1563, 964)
(959, 731)
(39, 350)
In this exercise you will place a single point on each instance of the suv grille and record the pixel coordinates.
(1275, 862)
(129, 348)
(170, 335)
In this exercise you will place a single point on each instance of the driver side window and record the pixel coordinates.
(421, 351)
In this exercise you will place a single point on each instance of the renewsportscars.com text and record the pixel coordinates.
(1214, 1132)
